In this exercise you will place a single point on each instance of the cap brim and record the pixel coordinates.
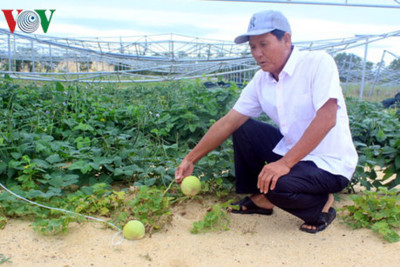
(245, 37)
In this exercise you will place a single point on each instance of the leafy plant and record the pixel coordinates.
(54, 136)
(216, 219)
(376, 135)
(150, 205)
(379, 211)
(98, 199)
(63, 145)
(4, 259)
(3, 222)
(54, 225)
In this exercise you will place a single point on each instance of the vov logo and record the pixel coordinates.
(28, 20)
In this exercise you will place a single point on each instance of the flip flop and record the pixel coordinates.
(251, 208)
(325, 219)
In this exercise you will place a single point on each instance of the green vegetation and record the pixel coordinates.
(54, 137)
(352, 90)
(379, 211)
(3, 222)
(376, 135)
(79, 148)
(111, 151)
(4, 259)
(216, 219)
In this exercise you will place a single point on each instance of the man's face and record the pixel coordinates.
(269, 52)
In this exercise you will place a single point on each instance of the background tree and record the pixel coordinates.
(351, 64)
(395, 64)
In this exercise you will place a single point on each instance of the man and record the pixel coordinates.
(298, 166)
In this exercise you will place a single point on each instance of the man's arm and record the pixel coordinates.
(319, 127)
(214, 137)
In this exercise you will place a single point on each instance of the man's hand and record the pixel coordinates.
(214, 137)
(184, 169)
(270, 174)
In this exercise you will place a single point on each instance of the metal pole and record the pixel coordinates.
(51, 59)
(67, 57)
(316, 3)
(377, 74)
(363, 71)
(33, 57)
(171, 49)
(9, 53)
(15, 53)
(121, 46)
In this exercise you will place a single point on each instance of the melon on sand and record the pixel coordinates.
(191, 186)
(134, 230)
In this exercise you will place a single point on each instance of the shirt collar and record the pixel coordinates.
(290, 65)
(292, 62)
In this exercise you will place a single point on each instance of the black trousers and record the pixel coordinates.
(303, 192)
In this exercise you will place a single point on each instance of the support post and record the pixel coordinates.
(33, 57)
(9, 53)
(364, 68)
(377, 74)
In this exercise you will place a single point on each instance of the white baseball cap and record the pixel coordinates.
(264, 22)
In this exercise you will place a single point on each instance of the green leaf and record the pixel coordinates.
(83, 127)
(381, 135)
(46, 138)
(397, 162)
(59, 87)
(14, 164)
(81, 165)
(98, 161)
(3, 222)
(39, 147)
(192, 127)
(150, 182)
(54, 158)
(126, 170)
(392, 236)
(58, 180)
(3, 167)
(41, 163)
(16, 155)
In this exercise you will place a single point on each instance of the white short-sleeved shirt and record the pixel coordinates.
(306, 82)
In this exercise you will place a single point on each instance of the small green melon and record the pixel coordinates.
(191, 186)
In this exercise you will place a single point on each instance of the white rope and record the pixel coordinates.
(71, 212)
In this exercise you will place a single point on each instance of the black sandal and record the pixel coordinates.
(251, 208)
(325, 219)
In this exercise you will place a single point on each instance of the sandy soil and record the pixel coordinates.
(253, 240)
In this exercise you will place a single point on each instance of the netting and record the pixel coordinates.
(155, 58)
